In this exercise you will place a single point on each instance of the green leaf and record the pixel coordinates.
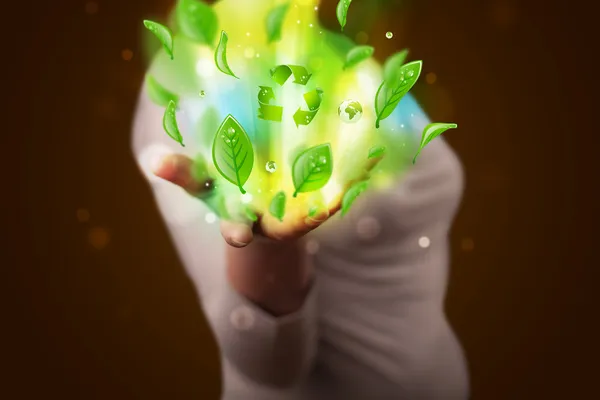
(313, 210)
(217, 204)
(275, 20)
(391, 68)
(277, 207)
(342, 12)
(199, 172)
(232, 152)
(158, 94)
(357, 55)
(251, 215)
(388, 96)
(163, 34)
(197, 20)
(170, 123)
(376, 152)
(339, 43)
(352, 194)
(430, 132)
(221, 55)
(312, 169)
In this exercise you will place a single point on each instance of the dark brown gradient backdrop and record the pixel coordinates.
(97, 305)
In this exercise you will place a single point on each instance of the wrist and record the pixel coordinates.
(275, 275)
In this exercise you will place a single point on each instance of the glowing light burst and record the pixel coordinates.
(323, 53)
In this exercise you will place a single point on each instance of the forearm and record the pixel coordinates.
(273, 275)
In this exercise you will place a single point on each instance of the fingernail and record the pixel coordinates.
(237, 243)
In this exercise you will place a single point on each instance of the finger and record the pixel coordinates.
(237, 234)
(177, 169)
(369, 166)
(336, 205)
(373, 162)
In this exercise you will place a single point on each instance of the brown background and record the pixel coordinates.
(97, 306)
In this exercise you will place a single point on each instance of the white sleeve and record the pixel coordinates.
(263, 350)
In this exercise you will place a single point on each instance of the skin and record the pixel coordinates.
(266, 260)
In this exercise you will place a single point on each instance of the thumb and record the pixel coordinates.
(179, 170)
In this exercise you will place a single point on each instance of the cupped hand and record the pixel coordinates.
(177, 169)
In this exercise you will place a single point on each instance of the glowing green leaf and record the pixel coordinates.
(312, 169)
(342, 12)
(232, 152)
(170, 123)
(357, 55)
(251, 215)
(158, 94)
(275, 21)
(376, 152)
(197, 20)
(163, 34)
(352, 194)
(391, 68)
(339, 43)
(277, 207)
(217, 204)
(199, 172)
(388, 96)
(430, 132)
(221, 55)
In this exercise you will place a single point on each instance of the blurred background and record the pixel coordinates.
(97, 305)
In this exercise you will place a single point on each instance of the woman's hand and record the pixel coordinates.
(178, 169)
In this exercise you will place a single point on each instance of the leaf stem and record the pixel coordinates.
(415, 159)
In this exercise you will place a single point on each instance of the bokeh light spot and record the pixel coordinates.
(126, 54)
(362, 37)
(242, 318)
(468, 244)
(312, 247)
(91, 7)
(249, 52)
(210, 218)
(503, 13)
(431, 78)
(424, 242)
(98, 238)
(368, 228)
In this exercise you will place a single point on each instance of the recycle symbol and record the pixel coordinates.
(281, 74)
